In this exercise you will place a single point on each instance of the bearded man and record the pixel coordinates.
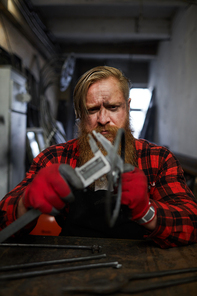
(156, 202)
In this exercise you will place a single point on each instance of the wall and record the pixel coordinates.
(15, 43)
(174, 75)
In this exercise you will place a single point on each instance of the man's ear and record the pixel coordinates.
(129, 102)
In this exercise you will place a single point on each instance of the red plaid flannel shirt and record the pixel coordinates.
(175, 204)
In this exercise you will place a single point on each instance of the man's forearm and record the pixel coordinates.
(152, 224)
(21, 210)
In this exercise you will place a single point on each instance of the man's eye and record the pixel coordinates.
(113, 108)
(92, 110)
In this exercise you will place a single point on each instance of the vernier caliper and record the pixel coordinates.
(112, 164)
(100, 165)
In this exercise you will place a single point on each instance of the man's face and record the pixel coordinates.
(106, 106)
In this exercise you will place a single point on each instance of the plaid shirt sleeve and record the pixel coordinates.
(174, 202)
(62, 153)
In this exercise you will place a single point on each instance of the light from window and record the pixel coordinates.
(140, 100)
(33, 143)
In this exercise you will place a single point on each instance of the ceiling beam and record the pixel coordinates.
(107, 2)
(131, 51)
(109, 29)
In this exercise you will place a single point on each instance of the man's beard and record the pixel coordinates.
(86, 154)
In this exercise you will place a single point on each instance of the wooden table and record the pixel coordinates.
(134, 255)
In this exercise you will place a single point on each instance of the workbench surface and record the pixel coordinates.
(135, 256)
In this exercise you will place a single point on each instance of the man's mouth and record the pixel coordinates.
(108, 132)
(104, 132)
(108, 135)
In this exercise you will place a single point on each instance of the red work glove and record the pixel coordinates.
(135, 196)
(49, 190)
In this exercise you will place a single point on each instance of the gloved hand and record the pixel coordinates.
(49, 190)
(135, 196)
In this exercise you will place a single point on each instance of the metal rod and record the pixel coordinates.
(21, 275)
(43, 263)
(159, 285)
(21, 222)
(93, 247)
(120, 285)
(155, 274)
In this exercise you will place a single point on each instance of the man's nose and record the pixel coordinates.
(103, 116)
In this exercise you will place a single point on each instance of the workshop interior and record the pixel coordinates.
(45, 46)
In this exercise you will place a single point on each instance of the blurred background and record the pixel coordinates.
(45, 46)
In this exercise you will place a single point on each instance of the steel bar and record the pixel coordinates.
(120, 285)
(155, 274)
(18, 224)
(112, 217)
(51, 262)
(159, 285)
(93, 247)
(22, 275)
(123, 289)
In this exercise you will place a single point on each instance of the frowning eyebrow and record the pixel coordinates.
(105, 104)
(109, 104)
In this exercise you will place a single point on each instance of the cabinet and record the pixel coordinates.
(13, 106)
